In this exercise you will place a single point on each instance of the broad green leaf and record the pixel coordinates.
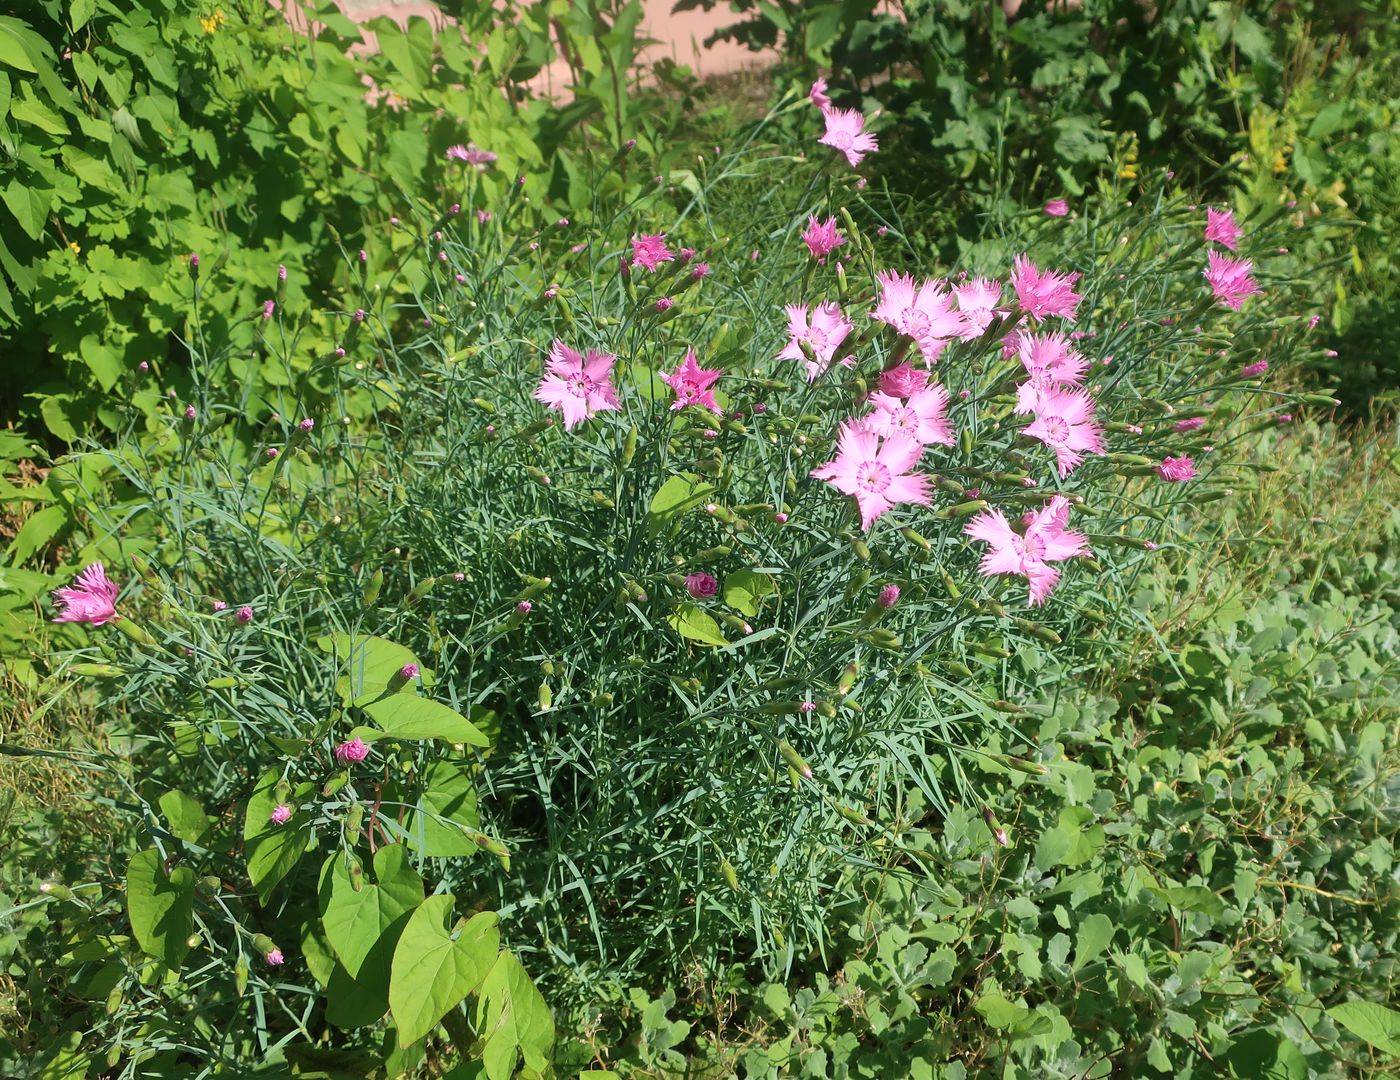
(1069, 843)
(434, 970)
(447, 801)
(743, 590)
(31, 110)
(404, 716)
(80, 12)
(356, 921)
(42, 526)
(693, 624)
(1264, 1055)
(1192, 898)
(271, 850)
(372, 665)
(1374, 1024)
(677, 495)
(161, 907)
(999, 1011)
(513, 1018)
(29, 206)
(12, 52)
(184, 815)
(1092, 937)
(410, 51)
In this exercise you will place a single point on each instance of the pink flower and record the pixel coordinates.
(190, 413)
(1312, 323)
(874, 471)
(821, 237)
(902, 380)
(692, 384)
(1064, 422)
(354, 750)
(921, 417)
(281, 814)
(889, 596)
(244, 615)
(664, 305)
(1189, 425)
(1056, 208)
(1221, 228)
(408, 671)
(824, 334)
(921, 310)
(817, 95)
(1042, 540)
(578, 387)
(701, 585)
(977, 302)
(272, 452)
(524, 607)
(1177, 470)
(1050, 362)
(1229, 279)
(650, 250)
(274, 957)
(1043, 292)
(701, 270)
(1249, 371)
(483, 216)
(269, 306)
(845, 131)
(219, 605)
(92, 598)
(471, 155)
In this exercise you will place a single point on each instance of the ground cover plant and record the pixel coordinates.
(693, 629)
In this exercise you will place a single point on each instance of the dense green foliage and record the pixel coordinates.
(610, 824)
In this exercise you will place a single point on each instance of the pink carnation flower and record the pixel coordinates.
(692, 384)
(1050, 362)
(922, 310)
(822, 238)
(1056, 208)
(1221, 228)
(578, 387)
(824, 334)
(650, 250)
(701, 585)
(352, 751)
(1177, 470)
(902, 380)
(1250, 371)
(977, 303)
(889, 596)
(1064, 421)
(92, 598)
(921, 417)
(281, 814)
(1044, 292)
(845, 131)
(1229, 279)
(874, 471)
(1190, 424)
(1042, 540)
(471, 154)
(817, 95)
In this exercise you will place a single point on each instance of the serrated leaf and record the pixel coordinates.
(434, 971)
(161, 907)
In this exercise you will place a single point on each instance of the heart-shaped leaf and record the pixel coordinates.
(355, 921)
(161, 907)
(434, 970)
(512, 1017)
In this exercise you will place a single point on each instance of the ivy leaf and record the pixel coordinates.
(434, 970)
(1371, 1023)
(356, 922)
(161, 907)
(513, 1018)
(271, 850)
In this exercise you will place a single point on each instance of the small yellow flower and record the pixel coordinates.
(73, 247)
(1128, 172)
(213, 22)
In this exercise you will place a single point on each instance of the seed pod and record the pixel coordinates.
(531, 430)
(730, 876)
(794, 759)
(952, 587)
(376, 583)
(240, 979)
(858, 582)
(545, 697)
(102, 671)
(1020, 764)
(282, 791)
(335, 784)
(854, 816)
(1005, 706)
(601, 701)
(353, 819)
(539, 476)
(861, 549)
(629, 445)
(422, 589)
(484, 405)
(602, 501)
(1037, 630)
(357, 875)
(962, 671)
(986, 648)
(965, 508)
(996, 609)
(114, 1002)
(965, 441)
(884, 639)
(1325, 399)
(533, 587)
(848, 678)
(1128, 459)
